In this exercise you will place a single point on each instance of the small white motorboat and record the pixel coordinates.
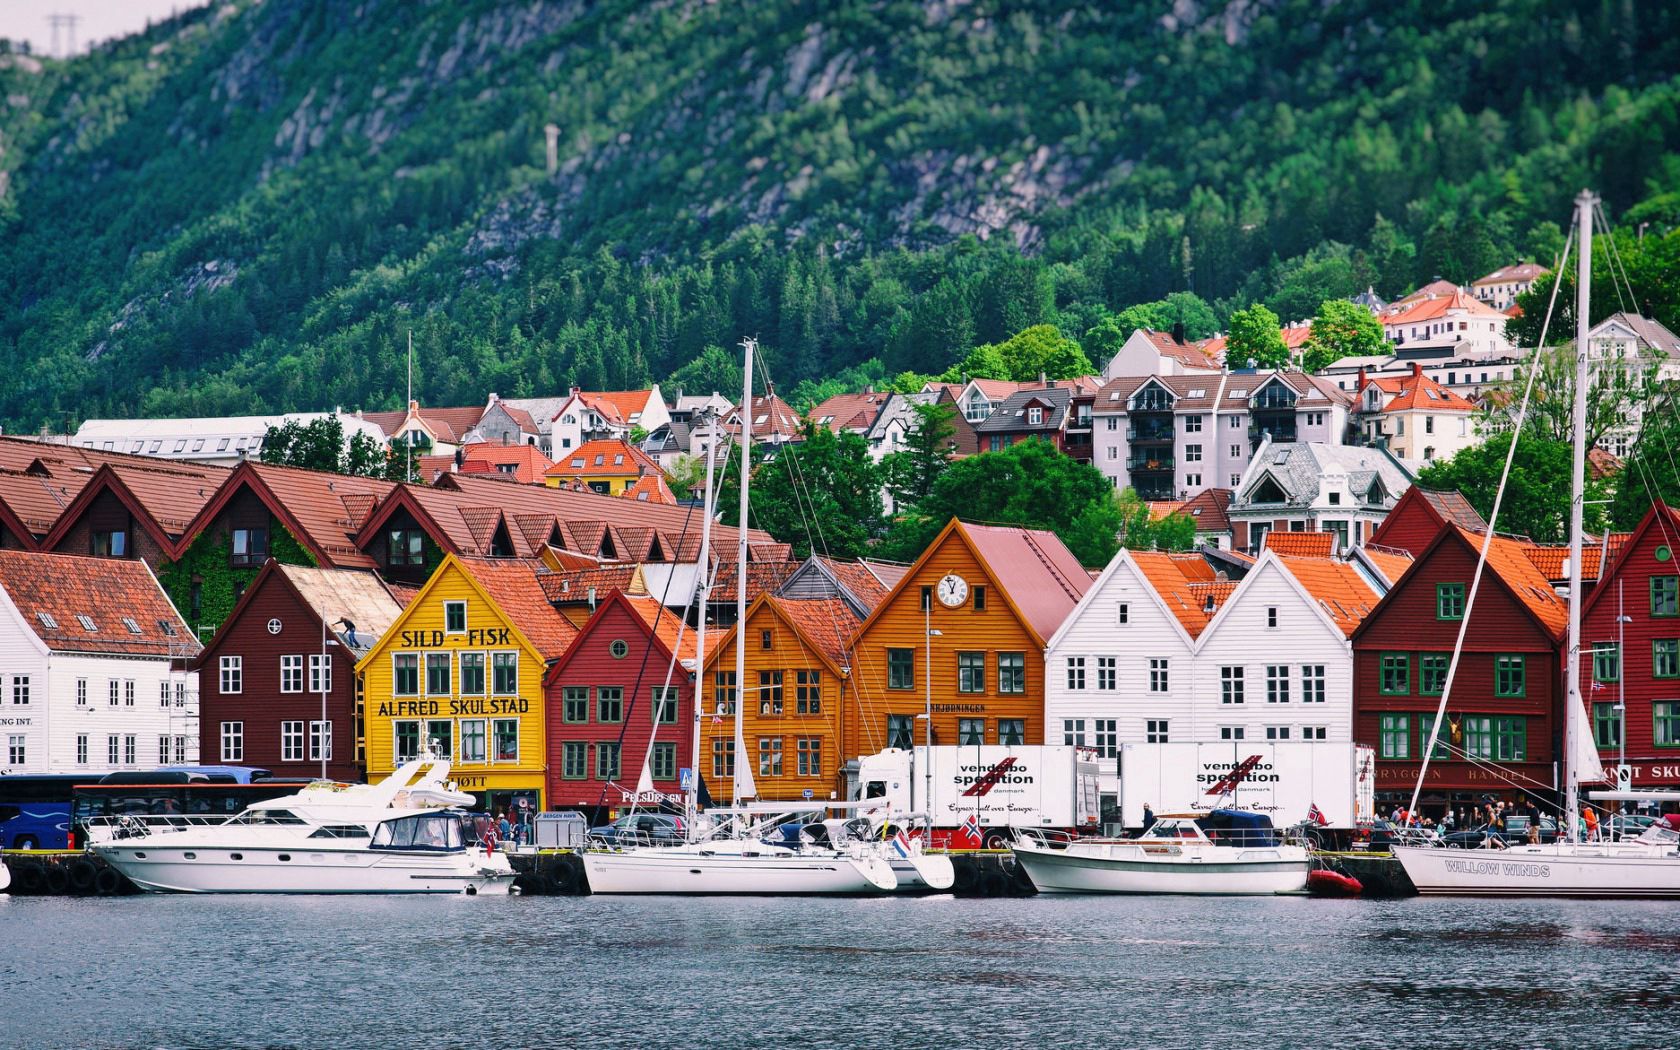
(405, 834)
(1222, 853)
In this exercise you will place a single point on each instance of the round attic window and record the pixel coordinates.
(619, 648)
(1663, 553)
(274, 627)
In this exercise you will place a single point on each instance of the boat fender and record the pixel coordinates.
(28, 877)
(567, 875)
(108, 882)
(56, 880)
(83, 872)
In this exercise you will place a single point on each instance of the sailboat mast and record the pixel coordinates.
(703, 586)
(1577, 499)
(743, 774)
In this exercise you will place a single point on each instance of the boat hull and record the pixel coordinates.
(1121, 869)
(924, 872)
(200, 869)
(680, 870)
(1542, 871)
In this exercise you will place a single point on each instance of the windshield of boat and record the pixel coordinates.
(1660, 835)
(427, 831)
(1168, 828)
(267, 817)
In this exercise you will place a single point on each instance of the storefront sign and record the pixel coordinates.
(469, 639)
(432, 708)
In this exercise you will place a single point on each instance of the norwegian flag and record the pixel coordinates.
(970, 829)
(1317, 816)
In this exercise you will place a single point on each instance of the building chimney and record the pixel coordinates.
(1417, 369)
(1178, 332)
(1361, 384)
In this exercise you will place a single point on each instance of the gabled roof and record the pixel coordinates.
(1338, 588)
(662, 623)
(854, 583)
(1434, 289)
(1414, 391)
(1525, 271)
(580, 586)
(650, 488)
(322, 511)
(1178, 594)
(1432, 307)
(1650, 333)
(82, 604)
(449, 424)
(628, 405)
(490, 457)
(1188, 354)
(1012, 414)
(1299, 469)
(603, 457)
(1207, 509)
(1388, 563)
(822, 626)
(1508, 568)
(854, 412)
(165, 496)
(1442, 507)
(513, 585)
(771, 417)
(332, 595)
(1662, 518)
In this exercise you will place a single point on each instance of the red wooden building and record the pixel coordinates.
(1418, 517)
(607, 700)
(1642, 582)
(1501, 731)
(260, 678)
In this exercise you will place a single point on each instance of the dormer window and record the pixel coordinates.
(1035, 416)
(47, 620)
(128, 622)
(87, 624)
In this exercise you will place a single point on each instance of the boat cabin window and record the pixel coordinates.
(426, 831)
(340, 831)
(266, 817)
(1174, 829)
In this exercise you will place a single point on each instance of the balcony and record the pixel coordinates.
(1150, 434)
(1151, 464)
(1279, 433)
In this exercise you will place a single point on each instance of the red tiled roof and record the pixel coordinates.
(1533, 589)
(857, 578)
(1037, 573)
(1453, 507)
(1174, 588)
(1412, 391)
(826, 624)
(1188, 354)
(323, 511)
(664, 624)
(1526, 271)
(52, 592)
(574, 586)
(625, 403)
(1337, 587)
(1415, 311)
(513, 585)
(762, 578)
(1213, 596)
(849, 411)
(1301, 544)
(603, 456)
(449, 424)
(1208, 509)
(165, 495)
(772, 417)
(1435, 288)
(650, 488)
(1391, 563)
(489, 457)
(1551, 559)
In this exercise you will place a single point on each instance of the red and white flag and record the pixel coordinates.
(1317, 816)
(970, 830)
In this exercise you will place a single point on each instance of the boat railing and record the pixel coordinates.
(137, 825)
(1044, 838)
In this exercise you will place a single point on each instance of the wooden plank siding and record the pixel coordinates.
(899, 624)
(790, 653)
(1501, 623)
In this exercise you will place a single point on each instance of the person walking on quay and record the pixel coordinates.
(1590, 818)
(1447, 822)
(1148, 818)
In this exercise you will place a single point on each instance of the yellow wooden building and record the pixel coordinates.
(462, 670)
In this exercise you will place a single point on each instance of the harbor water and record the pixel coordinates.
(937, 971)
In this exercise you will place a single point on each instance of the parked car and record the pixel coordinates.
(1384, 834)
(1628, 825)
(1515, 833)
(660, 829)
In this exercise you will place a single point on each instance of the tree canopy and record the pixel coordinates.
(822, 494)
(1255, 338)
(1341, 329)
(1536, 496)
(1041, 350)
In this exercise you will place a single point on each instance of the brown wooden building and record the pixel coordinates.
(968, 624)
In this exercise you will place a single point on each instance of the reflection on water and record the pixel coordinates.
(1036, 973)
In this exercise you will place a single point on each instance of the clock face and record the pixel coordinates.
(953, 590)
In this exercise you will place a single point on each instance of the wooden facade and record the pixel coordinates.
(1504, 701)
(1646, 670)
(796, 690)
(469, 681)
(261, 673)
(603, 713)
(899, 663)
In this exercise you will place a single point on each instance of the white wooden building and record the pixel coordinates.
(92, 667)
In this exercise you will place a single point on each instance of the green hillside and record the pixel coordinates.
(250, 207)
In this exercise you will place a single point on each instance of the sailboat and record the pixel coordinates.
(1648, 866)
(735, 855)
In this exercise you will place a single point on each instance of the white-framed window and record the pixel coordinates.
(1312, 683)
(1155, 731)
(163, 749)
(1313, 732)
(1122, 614)
(1107, 736)
(131, 749)
(81, 749)
(233, 677)
(291, 741)
(1106, 672)
(163, 694)
(128, 692)
(181, 748)
(20, 689)
(114, 692)
(1076, 672)
(291, 674)
(233, 742)
(1192, 424)
(1231, 732)
(81, 692)
(1158, 682)
(1073, 732)
(113, 750)
(320, 741)
(1277, 732)
(1231, 685)
(17, 749)
(1277, 683)
(320, 673)
(1192, 453)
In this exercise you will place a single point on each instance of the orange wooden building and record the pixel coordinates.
(967, 623)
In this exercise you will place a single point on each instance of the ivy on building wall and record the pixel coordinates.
(205, 584)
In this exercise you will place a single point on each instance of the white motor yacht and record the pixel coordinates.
(1175, 855)
(405, 834)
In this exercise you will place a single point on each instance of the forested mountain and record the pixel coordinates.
(250, 207)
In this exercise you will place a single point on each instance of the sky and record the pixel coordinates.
(98, 19)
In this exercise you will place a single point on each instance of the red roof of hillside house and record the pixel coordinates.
(1510, 274)
(1190, 355)
(771, 418)
(1413, 391)
(94, 605)
(39, 481)
(1434, 289)
(322, 511)
(1208, 509)
(603, 457)
(1416, 311)
(1602, 464)
(449, 424)
(1038, 574)
(1294, 337)
(1301, 544)
(1337, 587)
(513, 585)
(624, 406)
(525, 464)
(854, 412)
(650, 488)
(164, 497)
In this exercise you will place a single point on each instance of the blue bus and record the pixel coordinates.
(35, 810)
